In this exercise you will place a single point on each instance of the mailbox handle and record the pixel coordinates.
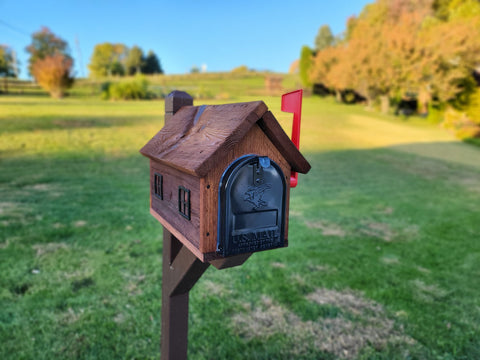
(292, 103)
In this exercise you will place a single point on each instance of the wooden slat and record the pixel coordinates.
(194, 249)
(167, 208)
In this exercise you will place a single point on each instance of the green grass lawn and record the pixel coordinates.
(383, 261)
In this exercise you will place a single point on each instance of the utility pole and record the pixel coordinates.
(79, 54)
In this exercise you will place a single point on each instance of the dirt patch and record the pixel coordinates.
(278, 265)
(133, 286)
(266, 320)
(470, 183)
(70, 316)
(427, 292)
(13, 210)
(81, 273)
(133, 289)
(346, 300)
(379, 230)
(390, 260)
(340, 336)
(295, 213)
(42, 249)
(322, 268)
(299, 279)
(214, 288)
(80, 223)
(119, 318)
(51, 189)
(327, 229)
(41, 187)
(387, 211)
(7, 207)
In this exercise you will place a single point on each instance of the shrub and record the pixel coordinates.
(473, 110)
(461, 124)
(127, 90)
(53, 73)
(242, 69)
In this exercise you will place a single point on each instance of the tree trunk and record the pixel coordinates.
(369, 103)
(384, 104)
(338, 95)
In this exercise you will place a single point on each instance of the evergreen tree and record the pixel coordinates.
(324, 38)
(7, 64)
(152, 64)
(306, 59)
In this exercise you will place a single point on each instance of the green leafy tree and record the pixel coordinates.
(324, 38)
(7, 62)
(441, 8)
(108, 59)
(134, 61)
(152, 64)
(45, 43)
(306, 60)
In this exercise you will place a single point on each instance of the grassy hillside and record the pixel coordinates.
(201, 86)
(382, 262)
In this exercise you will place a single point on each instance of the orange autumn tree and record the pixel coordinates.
(375, 57)
(395, 47)
(50, 63)
(451, 50)
(329, 69)
(53, 73)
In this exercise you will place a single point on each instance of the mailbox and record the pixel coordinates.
(220, 178)
(251, 212)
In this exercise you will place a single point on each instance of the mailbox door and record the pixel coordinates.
(251, 213)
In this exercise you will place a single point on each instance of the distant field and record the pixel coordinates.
(201, 86)
(383, 261)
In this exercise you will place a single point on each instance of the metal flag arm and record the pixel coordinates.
(292, 103)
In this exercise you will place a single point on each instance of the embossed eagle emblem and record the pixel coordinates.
(254, 195)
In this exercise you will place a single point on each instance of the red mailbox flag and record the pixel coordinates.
(292, 103)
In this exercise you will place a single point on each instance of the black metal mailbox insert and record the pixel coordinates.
(251, 206)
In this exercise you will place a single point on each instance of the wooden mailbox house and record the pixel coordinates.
(220, 178)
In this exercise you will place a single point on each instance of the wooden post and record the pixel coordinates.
(181, 270)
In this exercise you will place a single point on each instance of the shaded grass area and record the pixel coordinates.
(383, 256)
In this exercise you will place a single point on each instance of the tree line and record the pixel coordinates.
(423, 49)
(51, 64)
(110, 59)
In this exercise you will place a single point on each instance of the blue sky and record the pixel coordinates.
(264, 35)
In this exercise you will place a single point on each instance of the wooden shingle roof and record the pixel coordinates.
(197, 136)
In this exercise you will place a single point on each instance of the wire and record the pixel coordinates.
(11, 27)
